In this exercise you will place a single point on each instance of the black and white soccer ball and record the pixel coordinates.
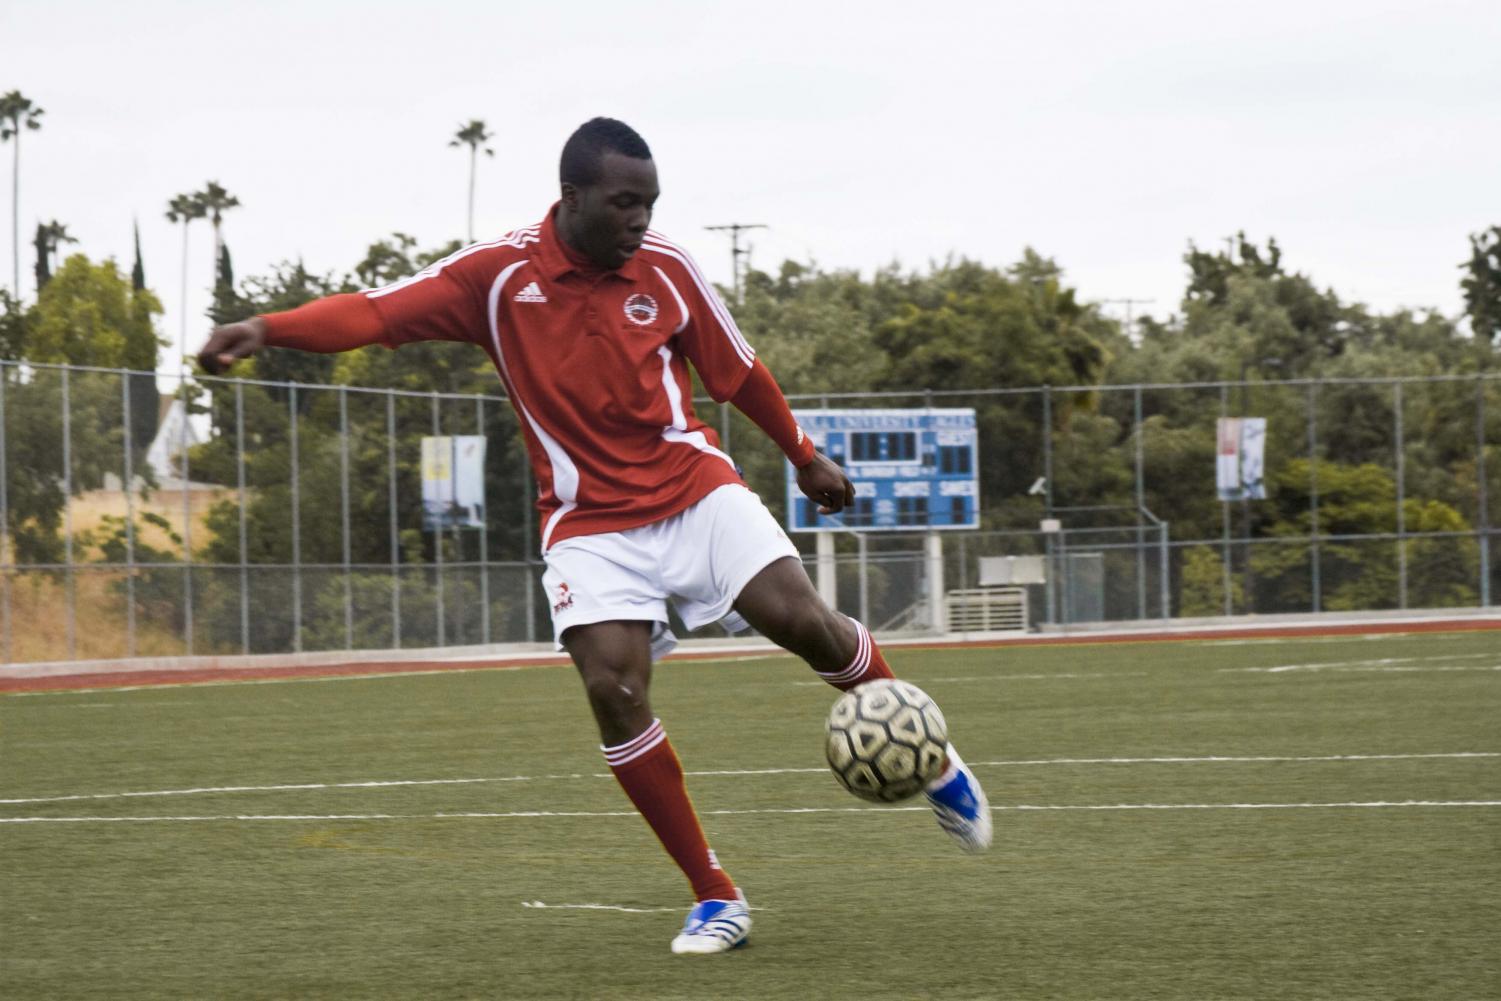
(886, 740)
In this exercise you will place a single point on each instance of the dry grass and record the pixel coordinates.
(89, 510)
(39, 602)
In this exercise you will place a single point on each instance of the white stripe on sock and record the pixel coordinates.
(856, 667)
(636, 746)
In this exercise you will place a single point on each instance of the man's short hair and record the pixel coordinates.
(585, 149)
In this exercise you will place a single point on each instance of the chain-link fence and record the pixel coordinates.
(238, 516)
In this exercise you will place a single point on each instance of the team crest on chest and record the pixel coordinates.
(641, 309)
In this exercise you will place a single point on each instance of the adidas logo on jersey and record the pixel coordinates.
(532, 293)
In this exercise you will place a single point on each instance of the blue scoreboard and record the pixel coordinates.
(913, 470)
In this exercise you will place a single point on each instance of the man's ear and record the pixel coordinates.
(570, 196)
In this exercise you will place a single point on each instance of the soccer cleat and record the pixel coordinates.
(960, 805)
(715, 926)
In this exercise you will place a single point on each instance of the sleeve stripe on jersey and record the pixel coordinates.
(655, 241)
(682, 306)
(726, 322)
(519, 238)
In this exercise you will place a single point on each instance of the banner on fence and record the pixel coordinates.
(1240, 461)
(453, 482)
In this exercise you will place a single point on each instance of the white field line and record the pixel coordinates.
(1380, 663)
(596, 814)
(453, 671)
(1007, 763)
(1373, 669)
(320, 679)
(539, 906)
(1011, 677)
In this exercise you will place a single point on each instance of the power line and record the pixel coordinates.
(736, 251)
(1128, 304)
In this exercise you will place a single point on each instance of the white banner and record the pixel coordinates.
(453, 481)
(1240, 458)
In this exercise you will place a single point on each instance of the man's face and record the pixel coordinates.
(608, 219)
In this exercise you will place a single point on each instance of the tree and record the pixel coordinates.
(49, 237)
(216, 201)
(138, 269)
(474, 136)
(228, 305)
(185, 208)
(1482, 285)
(16, 112)
(969, 327)
(89, 315)
(12, 329)
(43, 267)
(1358, 500)
(386, 261)
(145, 398)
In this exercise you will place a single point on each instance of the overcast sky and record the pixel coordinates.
(1365, 136)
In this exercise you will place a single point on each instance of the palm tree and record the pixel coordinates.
(217, 201)
(49, 237)
(184, 209)
(474, 136)
(16, 112)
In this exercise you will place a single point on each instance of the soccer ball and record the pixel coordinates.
(886, 740)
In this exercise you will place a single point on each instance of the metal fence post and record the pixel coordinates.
(1225, 518)
(187, 519)
(1316, 567)
(70, 584)
(395, 533)
(1165, 584)
(1049, 541)
(7, 558)
(244, 538)
(130, 519)
(296, 519)
(1482, 513)
(1141, 502)
(438, 541)
(344, 515)
(1401, 498)
(526, 547)
(484, 531)
(864, 564)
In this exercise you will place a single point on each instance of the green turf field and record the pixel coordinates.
(440, 809)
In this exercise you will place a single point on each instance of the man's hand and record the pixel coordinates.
(823, 482)
(231, 342)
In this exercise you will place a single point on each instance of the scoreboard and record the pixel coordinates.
(913, 470)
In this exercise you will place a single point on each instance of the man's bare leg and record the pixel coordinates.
(614, 662)
(782, 604)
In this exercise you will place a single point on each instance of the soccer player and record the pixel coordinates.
(591, 320)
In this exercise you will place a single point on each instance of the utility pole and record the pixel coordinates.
(736, 251)
(1128, 303)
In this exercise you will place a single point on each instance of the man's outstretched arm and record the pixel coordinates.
(818, 477)
(337, 323)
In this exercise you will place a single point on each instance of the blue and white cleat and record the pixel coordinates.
(960, 805)
(715, 926)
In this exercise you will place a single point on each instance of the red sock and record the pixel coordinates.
(866, 665)
(648, 770)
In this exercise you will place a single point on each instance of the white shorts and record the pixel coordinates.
(700, 559)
